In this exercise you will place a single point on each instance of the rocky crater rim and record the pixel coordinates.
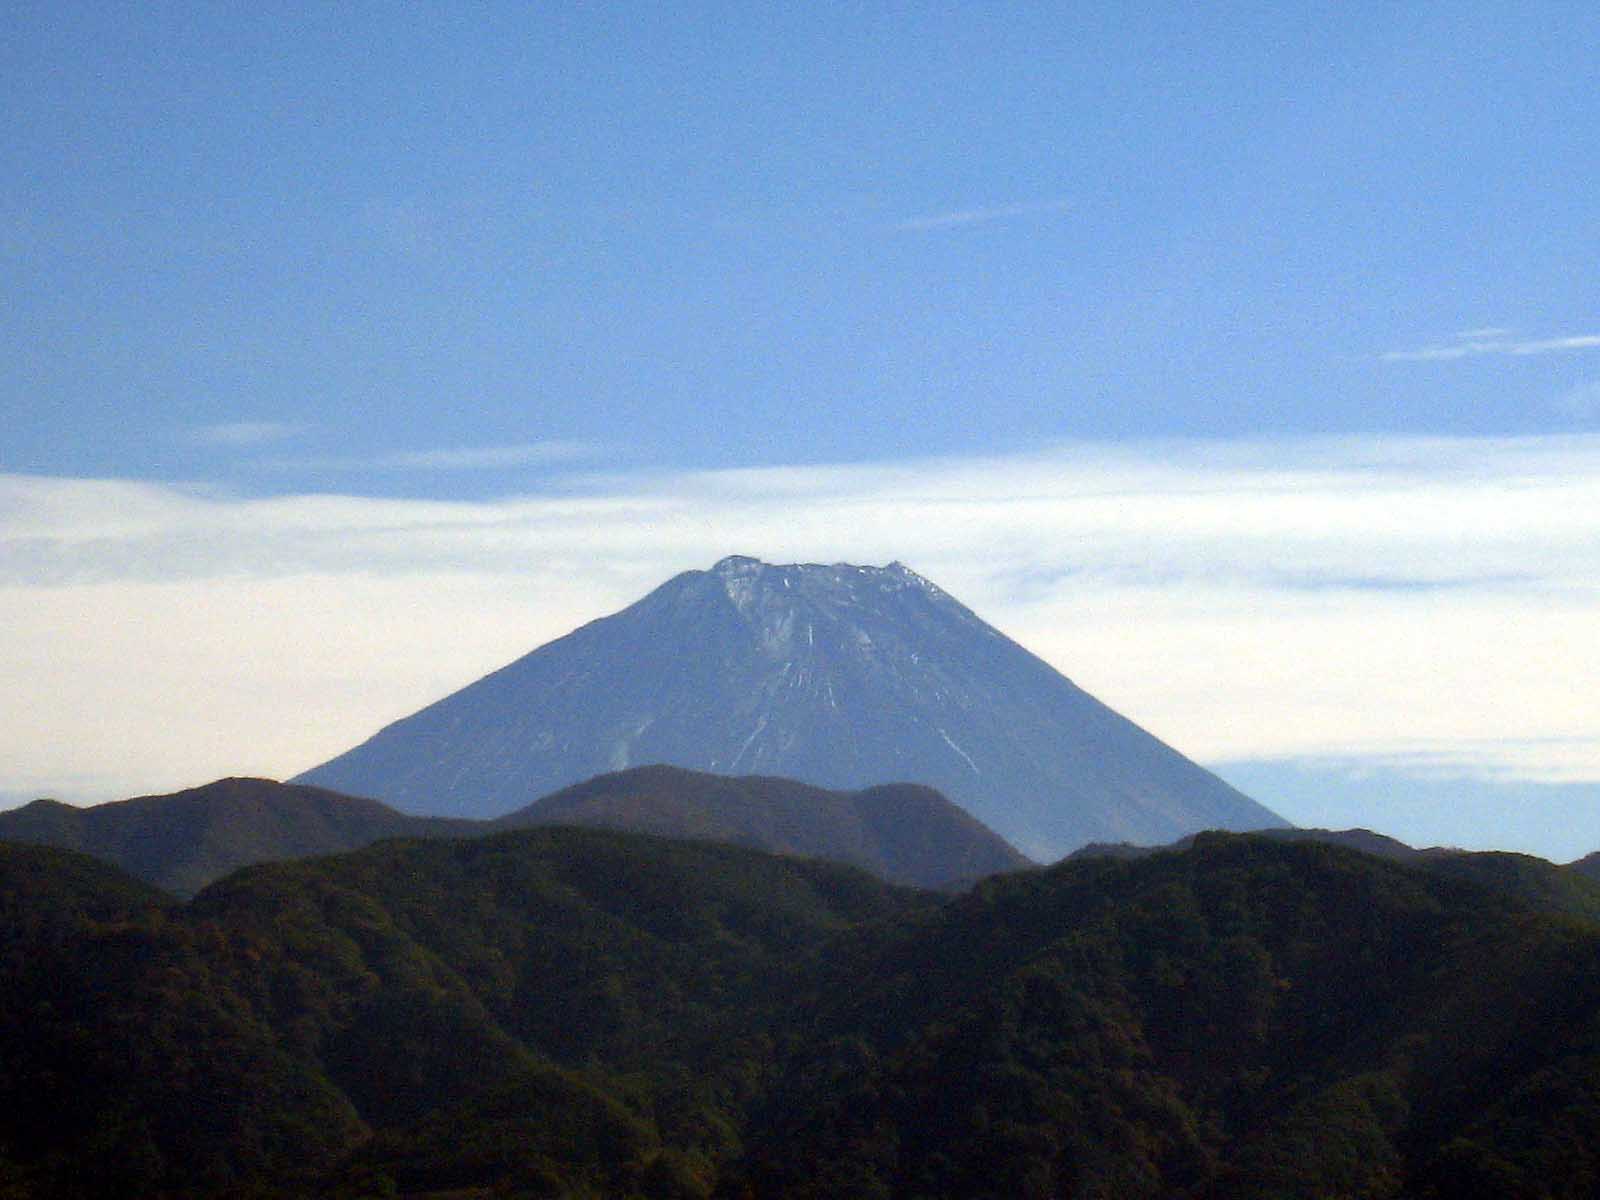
(735, 565)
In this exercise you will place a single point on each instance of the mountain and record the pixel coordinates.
(181, 842)
(581, 1012)
(841, 676)
(904, 833)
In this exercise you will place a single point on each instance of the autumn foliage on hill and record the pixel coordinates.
(582, 1012)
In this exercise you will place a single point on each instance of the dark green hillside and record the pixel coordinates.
(581, 1012)
(1588, 865)
(1571, 890)
(1535, 881)
(129, 1064)
(1365, 840)
(903, 832)
(1538, 883)
(415, 990)
(45, 885)
(1245, 1018)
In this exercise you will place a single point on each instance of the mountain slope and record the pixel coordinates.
(842, 676)
(901, 832)
(182, 841)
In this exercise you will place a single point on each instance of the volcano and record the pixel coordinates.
(840, 676)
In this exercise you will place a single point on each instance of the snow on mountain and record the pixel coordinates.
(841, 676)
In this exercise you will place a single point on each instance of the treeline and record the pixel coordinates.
(563, 1012)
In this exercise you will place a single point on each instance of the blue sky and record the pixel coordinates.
(279, 278)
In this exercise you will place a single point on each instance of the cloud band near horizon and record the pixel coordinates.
(1404, 599)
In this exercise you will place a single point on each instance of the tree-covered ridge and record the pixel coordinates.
(273, 1024)
(1573, 889)
(183, 841)
(1588, 865)
(581, 1012)
(903, 832)
(1242, 1018)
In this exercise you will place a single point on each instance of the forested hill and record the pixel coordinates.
(1573, 889)
(581, 1012)
(902, 832)
(185, 840)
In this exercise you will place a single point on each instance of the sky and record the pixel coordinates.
(1241, 360)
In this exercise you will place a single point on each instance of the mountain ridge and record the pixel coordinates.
(905, 833)
(1572, 888)
(183, 841)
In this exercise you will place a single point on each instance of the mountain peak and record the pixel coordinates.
(737, 564)
(841, 676)
(790, 599)
(742, 576)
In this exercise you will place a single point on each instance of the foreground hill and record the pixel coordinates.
(563, 1011)
(183, 841)
(549, 1008)
(841, 676)
(1572, 889)
(901, 832)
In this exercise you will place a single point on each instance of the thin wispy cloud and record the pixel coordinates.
(1477, 342)
(479, 458)
(463, 458)
(979, 216)
(242, 433)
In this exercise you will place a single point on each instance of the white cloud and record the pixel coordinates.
(242, 433)
(1477, 342)
(979, 216)
(1314, 597)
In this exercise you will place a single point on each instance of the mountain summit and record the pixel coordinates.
(841, 676)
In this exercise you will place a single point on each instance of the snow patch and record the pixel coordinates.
(960, 751)
(761, 724)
